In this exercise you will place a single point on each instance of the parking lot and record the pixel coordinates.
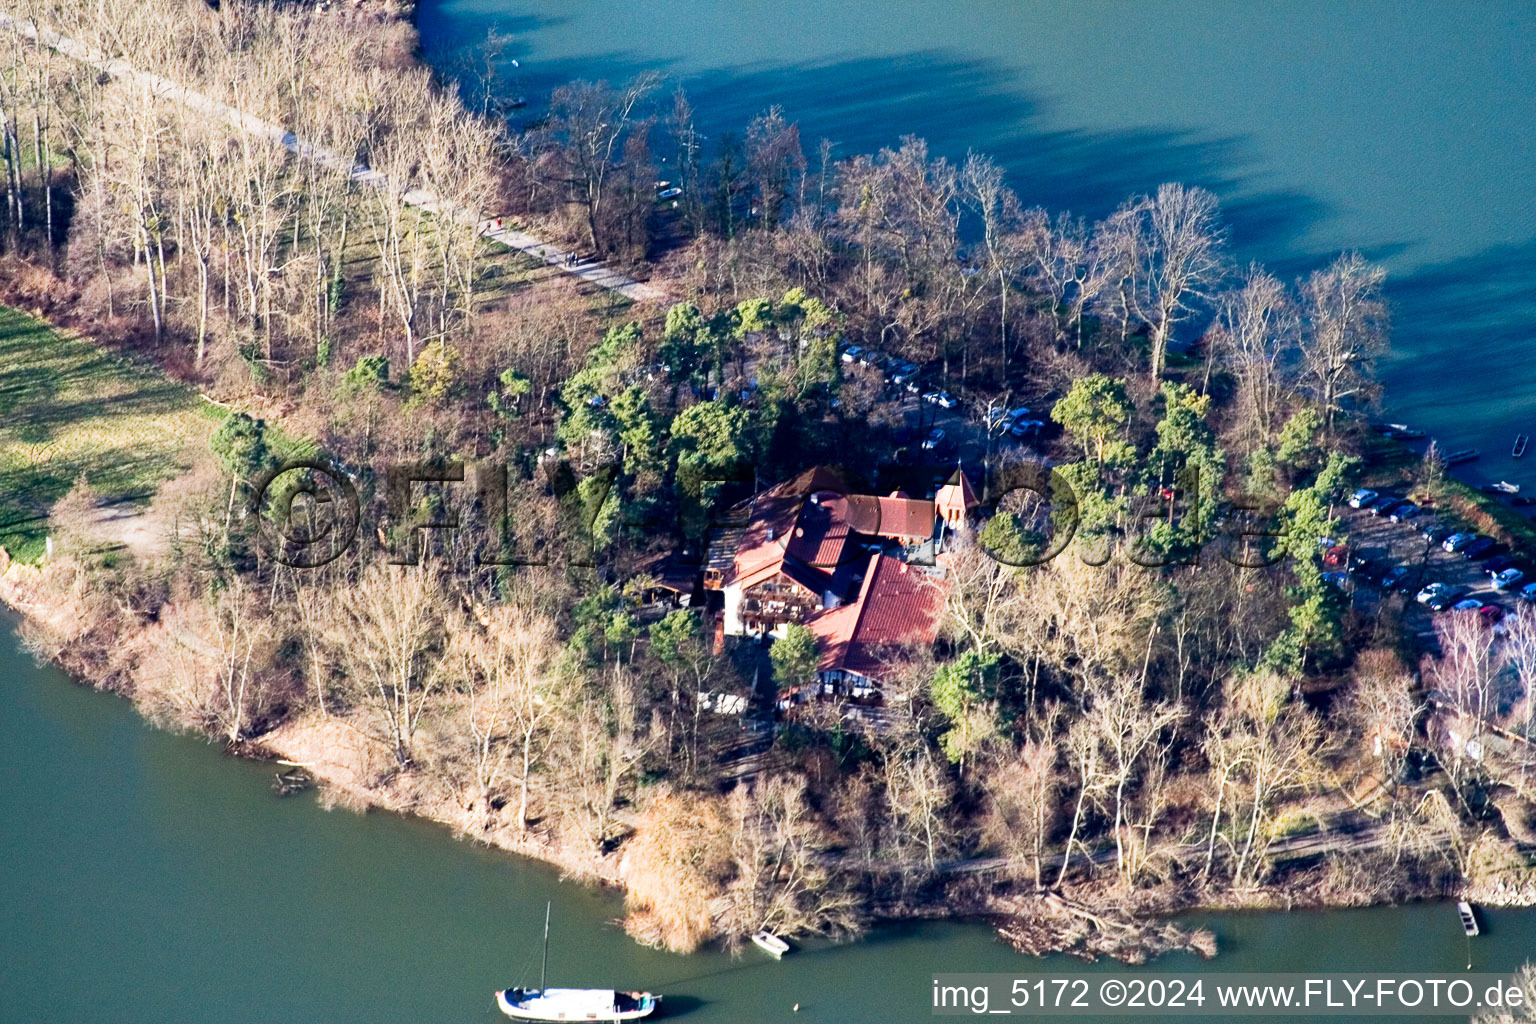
(1387, 543)
(964, 434)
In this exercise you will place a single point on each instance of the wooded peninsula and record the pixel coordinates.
(796, 539)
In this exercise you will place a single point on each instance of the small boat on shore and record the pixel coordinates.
(1401, 431)
(1456, 458)
(551, 1005)
(1521, 440)
(1502, 487)
(770, 943)
(1468, 919)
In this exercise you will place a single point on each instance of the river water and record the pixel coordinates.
(145, 877)
(1402, 128)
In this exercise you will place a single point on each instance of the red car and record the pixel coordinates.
(1336, 555)
(1490, 614)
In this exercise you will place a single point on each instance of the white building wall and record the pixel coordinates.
(733, 596)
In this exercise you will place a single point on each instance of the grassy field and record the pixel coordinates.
(69, 407)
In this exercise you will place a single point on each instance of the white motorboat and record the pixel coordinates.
(770, 943)
(553, 1005)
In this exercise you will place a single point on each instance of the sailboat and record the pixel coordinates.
(551, 1005)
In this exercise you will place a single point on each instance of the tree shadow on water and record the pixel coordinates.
(1465, 343)
(959, 103)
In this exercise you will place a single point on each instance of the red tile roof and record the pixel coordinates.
(805, 529)
(783, 520)
(907, 518)
(811, 519)
(898, 606)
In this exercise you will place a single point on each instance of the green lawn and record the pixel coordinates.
(69, 407)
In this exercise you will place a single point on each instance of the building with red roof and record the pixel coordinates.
(898, 607)
(956, 501)
(803, 547)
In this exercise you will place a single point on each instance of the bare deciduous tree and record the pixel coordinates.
(1257, 335)
(383, 635)
(1346, 332)
(1173, 243)
(594, 122)
(503, 666)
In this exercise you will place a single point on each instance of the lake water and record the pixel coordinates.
(1403, 129)
(145, 877)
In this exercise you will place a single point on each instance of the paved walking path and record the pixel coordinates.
(554, 256)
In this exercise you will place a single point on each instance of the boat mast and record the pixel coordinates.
(544, 967)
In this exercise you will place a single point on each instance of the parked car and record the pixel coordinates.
(1374, 573)
(1497, 564)
(1441, 602)
(1528, 592)
(1482, 547)
(1024, 428)
(1456, 541)
(1430, 591)
(1435, 532)
(1383, 505)
(912, 385)
(1393, 577)
(1338, 579)
(1508, 579)
(1336, 555)
(1363, 497)
(934, 439)
(943, 399)
(853, 354)
(1404, 512)
(1003, 420)
(1467, 604)
(1490, 614)
(902, 372)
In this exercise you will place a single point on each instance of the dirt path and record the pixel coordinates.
(140, 530)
